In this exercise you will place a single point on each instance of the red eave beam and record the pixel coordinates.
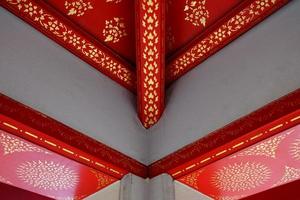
(54, 25)
(150, 59)
(238, 21)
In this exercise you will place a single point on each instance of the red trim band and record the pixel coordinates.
(54, 25)
(46, 131)
(150, 46)
(238, 21)
(264, 116)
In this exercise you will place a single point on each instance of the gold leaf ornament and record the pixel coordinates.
(196, 12)
(78, 7)
(114, 30)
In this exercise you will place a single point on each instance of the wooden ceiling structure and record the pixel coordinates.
(145, 46)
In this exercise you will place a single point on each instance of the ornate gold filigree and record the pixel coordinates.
(47, 175)
(241, 176)
(78, 7)
(103, 179)
(265, 148)
(192, 179)
(61, 31)
(290, 174)
(196, 12)
(150, 40)
(114, 30)
(13, 144)
(210, 42)
(295, 149)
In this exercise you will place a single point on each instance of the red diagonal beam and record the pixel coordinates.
(230, 27)
(58, 28)
(150, 43)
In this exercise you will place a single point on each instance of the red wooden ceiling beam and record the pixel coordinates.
(265, 116)
(238, 21)
(57, 27)
(150, 59)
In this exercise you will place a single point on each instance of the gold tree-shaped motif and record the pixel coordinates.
(78, 7)
(114, 30)
(196, 12)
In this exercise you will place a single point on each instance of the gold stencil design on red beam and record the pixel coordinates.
(78, 8)
(12, 145)
(151, 64)
(61, 31)
(211, 41)
(47, 175)
(266, 148)
(103, 180)
(192, 179)
(241, 176)
(295, 149)
(290, 174)
(196, 12)
(114, 30)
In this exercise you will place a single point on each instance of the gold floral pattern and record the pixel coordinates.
(290, 174)
(192, 179)
(47, 175)
(234, 24)
(78, 7)
(61, 31)
(151, 61)
(103, 180)
(295, 149)
(196, 12)
(13, 144)
(114, 30)
(241, 176)
(265, 148)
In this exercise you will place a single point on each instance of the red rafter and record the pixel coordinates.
(231, 26)
(51, 23)
(150, 45)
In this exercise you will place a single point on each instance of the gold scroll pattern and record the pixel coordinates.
(103, 179)
(196, 12)
(241, 176)
(150, 40)
(51, 24)
(234, 24)
(78, 8)
(114, 30)
(12, 145)
(47, 175)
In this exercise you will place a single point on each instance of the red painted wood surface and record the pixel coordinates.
(274, 113)
(8, 192)
(23, 117)
(36, 169)
(270, 163)
(150, 46)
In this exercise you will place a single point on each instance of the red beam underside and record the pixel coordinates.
(265, 117)
(58, 28)
(235, 23)
(45, 131)
(150, 46)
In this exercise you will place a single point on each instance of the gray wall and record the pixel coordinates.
(39, 73)
(257, 68)
(260, 66)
